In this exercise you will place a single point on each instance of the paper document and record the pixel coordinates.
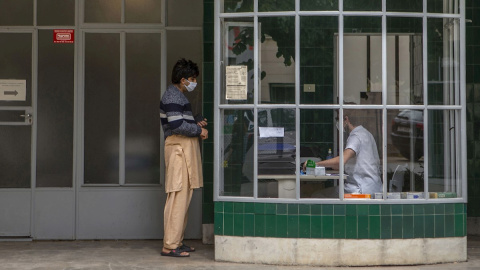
(267, 132)
(236, 82)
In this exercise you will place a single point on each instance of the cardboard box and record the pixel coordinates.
(356, 196)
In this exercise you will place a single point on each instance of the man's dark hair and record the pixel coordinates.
(184, 69)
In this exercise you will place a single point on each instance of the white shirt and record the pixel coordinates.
(364, 169)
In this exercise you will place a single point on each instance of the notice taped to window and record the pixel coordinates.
(236, 79)
(14, 90)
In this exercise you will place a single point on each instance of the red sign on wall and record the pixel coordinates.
(63, 36)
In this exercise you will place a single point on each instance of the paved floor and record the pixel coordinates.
(53, 255)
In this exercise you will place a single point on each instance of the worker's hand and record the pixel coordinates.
(204, 134)
(202, 123)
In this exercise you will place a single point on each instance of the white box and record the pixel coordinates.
(319, 171)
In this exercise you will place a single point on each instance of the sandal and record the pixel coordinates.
(186, 248)
(175, 253)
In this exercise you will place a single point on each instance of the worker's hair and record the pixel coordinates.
(184, 69)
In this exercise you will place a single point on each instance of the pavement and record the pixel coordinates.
(145, 254)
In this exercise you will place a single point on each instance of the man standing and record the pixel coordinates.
(182, 155)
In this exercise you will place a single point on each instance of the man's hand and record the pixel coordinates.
(204, 134)
(202, 123)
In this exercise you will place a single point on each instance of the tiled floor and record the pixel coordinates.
(53, 255)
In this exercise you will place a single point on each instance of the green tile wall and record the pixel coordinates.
(337, 221)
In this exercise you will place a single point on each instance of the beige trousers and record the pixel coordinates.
(176, 216)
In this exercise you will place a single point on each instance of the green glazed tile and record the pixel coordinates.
(218, 224)
(293, 226)
(429, 209)
(303, 226)
(228, 207)
(282, 226)
(374, 227)
(459, 221)
(238, 224)
(228, 224)
(449, 225)
(339, 227)
(407, 209)
(374, 210)
(407, 227)
(304, 209)
(327, 226)
(327, 209)
(293, 209)
(281, 209)
(271, 208)
(270, 226)
(316, 209)
(260, 225)
(316, 226)
(351, 210)
(397, 224)
(351, 231)
(419, 209)
(363, 227)
(439, 226)
(339, 210)
(386, 209)
(397, 209)
(418, 226)
(386, 225)
(249, 225)
(449, 209)
(459, 208)
(238, 207)
(439, 209)
(250, 208)
(429, 226)
(259, 208)
(362, 209)
(218, 207)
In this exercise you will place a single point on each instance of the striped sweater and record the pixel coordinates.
(176, 114)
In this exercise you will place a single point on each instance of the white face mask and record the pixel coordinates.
(191, 86)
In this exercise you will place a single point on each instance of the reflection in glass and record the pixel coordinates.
(238, 129)
(277, 64)
(443, 140)
(317, 47)
(362, 5)
(62, 14)
(276, 152)
(234, 6)
(16, 12)
(143, 11)
(318, 5)
(442, 6)
(276, 5)
(362, 60)
(405, 171)
(443, 61)
(103, 11)
(15, 144)
(405, 5)
(404, 61)
(238, 50)
(190, 16)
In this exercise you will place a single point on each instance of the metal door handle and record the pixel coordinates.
(26, 115)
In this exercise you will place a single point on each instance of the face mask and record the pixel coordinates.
(191, 86)
(338, 128)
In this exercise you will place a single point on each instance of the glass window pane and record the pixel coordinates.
(405, 5)
(404, 61)
(56, 12)
(318, 5)
(234, 6)
(276, 153)
(16, 62)
(405, 171)
(317, 59)
(238, 129)
(362, 60)
(55, 112)
(15, 144)
(191, 13)
(238, 51)
(103, 11)
(276, 5)
(142, 127)
(443, 151)
(102, 108)
(147, 11)
(16, 12)
(362, 5)
(442, 6)
(277, 82)
(443, 61)
(318, 135)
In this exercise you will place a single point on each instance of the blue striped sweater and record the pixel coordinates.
(176, 114)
